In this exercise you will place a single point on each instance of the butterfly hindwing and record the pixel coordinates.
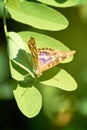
(49, 58)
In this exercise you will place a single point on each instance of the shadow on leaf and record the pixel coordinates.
(23, 58)
(49, 74)
(61, 1)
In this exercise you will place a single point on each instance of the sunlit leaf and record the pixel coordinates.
(60, 3)
(62, 79)
(37, 15)
(28, 100)
(19, 61)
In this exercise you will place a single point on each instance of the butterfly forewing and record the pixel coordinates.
(34, 52)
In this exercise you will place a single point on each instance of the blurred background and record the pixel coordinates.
(61, 110)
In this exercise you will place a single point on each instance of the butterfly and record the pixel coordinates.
(46, 58)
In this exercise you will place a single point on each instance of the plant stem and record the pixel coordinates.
(4, 19)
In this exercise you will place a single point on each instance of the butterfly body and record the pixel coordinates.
(46, 58)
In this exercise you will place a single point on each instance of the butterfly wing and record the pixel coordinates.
(45, 56)
(35, 59)
(49, 58)
(34, 52)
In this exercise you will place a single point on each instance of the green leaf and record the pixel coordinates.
(61, 80)
(37, 15)
(44, 41)
(28, 100)
(60, 3)
(14, 4)
(17, 72)
(15, 43)
(19, 59)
